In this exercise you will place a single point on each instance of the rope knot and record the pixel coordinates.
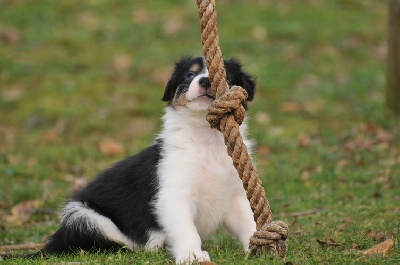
(272, 237)
(228, 103)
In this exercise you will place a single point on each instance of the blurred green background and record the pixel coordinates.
(80, 88)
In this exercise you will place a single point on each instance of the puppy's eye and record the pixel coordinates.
(190, 75)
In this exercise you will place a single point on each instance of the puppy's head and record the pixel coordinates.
(189, 86)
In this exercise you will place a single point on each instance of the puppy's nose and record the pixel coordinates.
(205, 82)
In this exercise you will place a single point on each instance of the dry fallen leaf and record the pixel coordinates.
(77, 182)
(308, 81)
(140, 126)
(304, 140)
(89, 20)
(51, 136)
(14, 92)
(262, 117)
(161, 76)
(21, 212)
(263, 150)
(173, 24)
(207, 263)
(384, 248)
(306, 177)
(141, 16)
(290, 107)
(10, 35)
(110, 147)
(122, 63)
(378, 236)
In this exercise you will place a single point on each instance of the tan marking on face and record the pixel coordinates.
(195, 67)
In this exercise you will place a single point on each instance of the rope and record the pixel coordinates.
(226, 114)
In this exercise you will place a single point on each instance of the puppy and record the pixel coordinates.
(176, 192)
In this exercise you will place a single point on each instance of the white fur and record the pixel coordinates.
(200, 189)
(156, 240)
(80, 215)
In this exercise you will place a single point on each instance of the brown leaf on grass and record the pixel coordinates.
(13, 159)
(110, 147)
(384, 249)
(51, 136)
(397, 160)
(304, 140)
(141, 16)
(306, 177)
(21, 212)
(378, 236)
(140, 126)
(308, 81)
(77, 182)
(10, 35)
(89, 20)
(341, 163)
(306, 174)
(330, 242)
(173, 24)
(263, 150)
(379, 51)
(122, 63)
(262, 117)
(13, 92)
(290, 107)
(161, 76)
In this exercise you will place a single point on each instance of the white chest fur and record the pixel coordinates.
(196, 172)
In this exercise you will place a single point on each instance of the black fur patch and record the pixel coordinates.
(182, 77)
(123, 193)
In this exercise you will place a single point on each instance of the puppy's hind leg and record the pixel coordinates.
(157, 240)
(83, 228)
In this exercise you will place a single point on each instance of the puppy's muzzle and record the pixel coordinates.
(204, 83)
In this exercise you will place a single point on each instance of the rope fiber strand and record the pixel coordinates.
(226, 114)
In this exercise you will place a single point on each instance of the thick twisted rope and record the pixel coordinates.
(226, 114)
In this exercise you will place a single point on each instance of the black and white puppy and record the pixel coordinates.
(176, 192)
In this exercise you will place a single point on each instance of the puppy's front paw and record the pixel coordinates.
(193, 256)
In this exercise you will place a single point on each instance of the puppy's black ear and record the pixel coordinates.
(238, 77)
(170, 89)
(174, 80)
(249, 85)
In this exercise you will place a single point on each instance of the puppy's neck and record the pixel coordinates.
(183, 117)
(184, 123)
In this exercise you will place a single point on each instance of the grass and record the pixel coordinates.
(73, 74)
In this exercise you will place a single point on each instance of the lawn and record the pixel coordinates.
(80, 88)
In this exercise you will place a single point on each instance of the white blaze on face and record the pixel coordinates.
(195, 90)
(193, 95)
